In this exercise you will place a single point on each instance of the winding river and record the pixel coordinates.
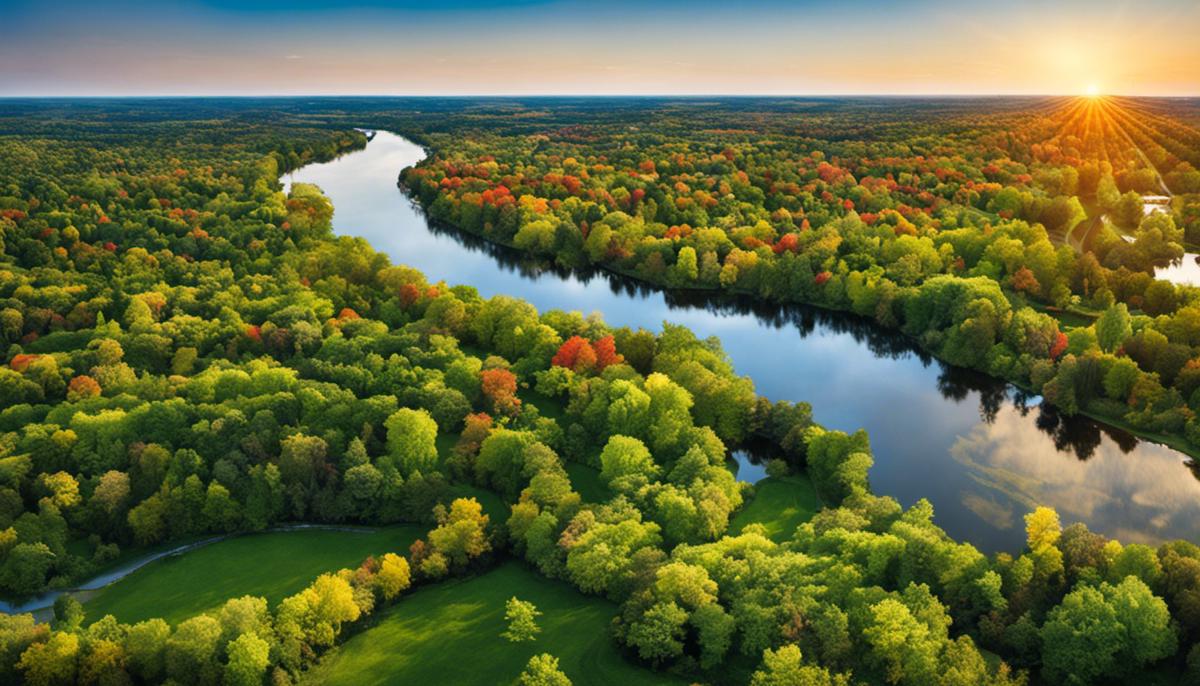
(980, 451)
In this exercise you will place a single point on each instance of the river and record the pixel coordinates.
(977, 449)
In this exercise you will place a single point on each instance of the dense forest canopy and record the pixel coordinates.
(190, 351)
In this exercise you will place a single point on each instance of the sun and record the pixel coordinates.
(1092, 90)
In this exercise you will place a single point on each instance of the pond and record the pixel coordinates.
(1184, 271)
(983, 453)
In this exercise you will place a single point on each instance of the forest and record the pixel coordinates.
(1009, 237)
(191, 352)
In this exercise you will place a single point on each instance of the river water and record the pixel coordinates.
(981, 452)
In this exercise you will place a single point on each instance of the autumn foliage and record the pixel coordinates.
(579, 355)
(409, 294)
(1024, 281)
(500, 388)
(1060, 345)
(22, 361)
(476, 429)
(82, 387)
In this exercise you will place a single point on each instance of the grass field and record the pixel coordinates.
(586, 481)
(779, 504)
(272, 565)
(450, 634)
(493, 505)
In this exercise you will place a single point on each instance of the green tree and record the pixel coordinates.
(1105, 632)
(625, 463)
(783, 667)
(249, 657)
(542, 670)
(411, 441)
(191, 651)
(146, 645)
(1113, 327)
(461, 534)
(658, 634)
(521, 616)
(393, 577)
(51, 663)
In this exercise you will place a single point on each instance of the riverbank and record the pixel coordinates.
(1178, 443)
(993, 451)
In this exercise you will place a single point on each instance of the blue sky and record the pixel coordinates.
(548, 47)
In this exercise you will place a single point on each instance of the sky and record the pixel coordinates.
(530, 47)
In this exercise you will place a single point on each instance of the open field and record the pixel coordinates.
(450, 634)
(272, 565)
(780, 505)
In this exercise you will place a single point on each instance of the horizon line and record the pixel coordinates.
(163, 96)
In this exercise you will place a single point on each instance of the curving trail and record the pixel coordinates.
(41, 603)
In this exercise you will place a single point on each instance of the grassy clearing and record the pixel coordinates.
(780, 504)
(493, 505)
(450, 634)
(273, 565)
(547, 406)
(586, 481)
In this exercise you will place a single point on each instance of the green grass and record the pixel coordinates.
(586, 481)
(493, 505)
(450, 634)
(445, 443)
(780, 505)
(273, 565)
(547, 406)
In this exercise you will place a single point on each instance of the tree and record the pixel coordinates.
(68, 613)
(111, 493)
(1105, 632)
(521, 616)
(606, 352)
(1024, 281)
(412, 441)
(499, 386)
(626, 462)
(393, 576)
(82, 387)
(576, 354)
(249, 657)
(542, 670)
(191, 651)
(302, 459)
(146, 645)
(901, 644)
(1042, 528)
(51, 663)
(461, 535)
(322, 608)
(715, 628)
(25, 567)
(658, 634)
(783, 667)
(103, 663)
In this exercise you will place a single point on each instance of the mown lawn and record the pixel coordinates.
(450, 634)
(780, 504)
(273, 565)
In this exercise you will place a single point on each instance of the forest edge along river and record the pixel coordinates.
(982, 452)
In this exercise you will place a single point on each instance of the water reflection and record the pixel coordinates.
(1184, 271)
(982, 452)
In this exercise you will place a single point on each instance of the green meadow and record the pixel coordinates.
(449, 633)
(780, 504)
(273, 565)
